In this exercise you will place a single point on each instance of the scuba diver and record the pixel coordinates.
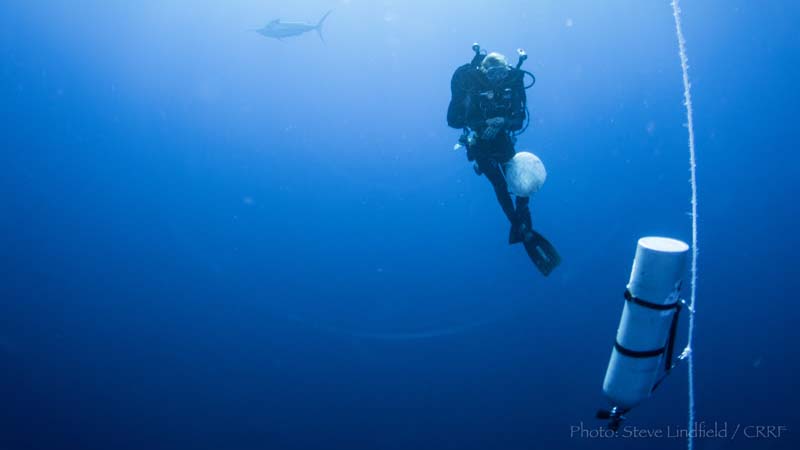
(489, 104)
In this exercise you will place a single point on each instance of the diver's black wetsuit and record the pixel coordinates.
(474, 100)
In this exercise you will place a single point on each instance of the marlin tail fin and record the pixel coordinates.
(319, 25)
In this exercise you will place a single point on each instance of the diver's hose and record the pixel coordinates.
(533, 79)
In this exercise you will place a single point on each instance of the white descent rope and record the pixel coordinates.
(687, 101)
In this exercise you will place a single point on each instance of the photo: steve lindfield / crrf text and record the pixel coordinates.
(700, 430)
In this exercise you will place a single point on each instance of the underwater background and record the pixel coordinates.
(214, 240)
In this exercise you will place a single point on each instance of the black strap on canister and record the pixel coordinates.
(670, 347)
(650, 305)
(673, 331)
(638, 354)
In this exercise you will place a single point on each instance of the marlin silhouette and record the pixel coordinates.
(279, 30)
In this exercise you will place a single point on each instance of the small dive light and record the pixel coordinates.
(522, 57)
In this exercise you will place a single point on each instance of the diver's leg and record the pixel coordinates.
(492, 171)
(502, 150)
(524, 230)
(523, 211)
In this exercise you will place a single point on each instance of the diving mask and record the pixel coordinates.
(496, 74)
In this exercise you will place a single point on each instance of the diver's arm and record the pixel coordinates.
(477, 124)
(515, 122)
(473, 117)
(493, 126)
(516, 117)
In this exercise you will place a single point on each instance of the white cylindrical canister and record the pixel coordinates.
(651, 300)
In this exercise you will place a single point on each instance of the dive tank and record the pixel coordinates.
(651, 301)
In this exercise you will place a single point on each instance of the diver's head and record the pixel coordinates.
(495, 67)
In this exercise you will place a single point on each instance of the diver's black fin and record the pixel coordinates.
(542, 253)
(520, 229)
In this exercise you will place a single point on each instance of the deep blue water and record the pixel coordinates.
(213, 240)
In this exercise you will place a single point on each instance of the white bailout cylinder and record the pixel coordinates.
(658, 267)
(525, 174)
